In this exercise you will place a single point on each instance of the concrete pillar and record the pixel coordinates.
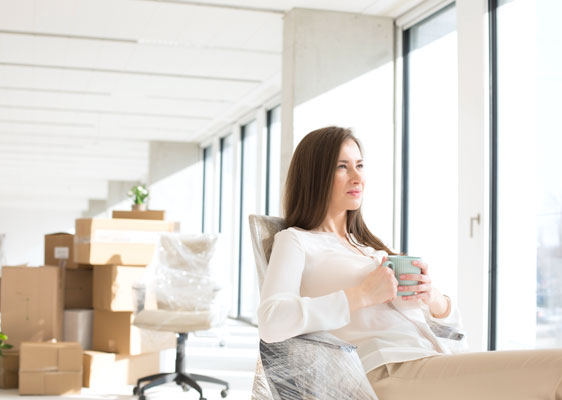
(338, 70)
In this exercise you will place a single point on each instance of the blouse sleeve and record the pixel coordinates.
(283, 313)
(452, 320)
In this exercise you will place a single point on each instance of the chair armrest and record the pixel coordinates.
(314, 366)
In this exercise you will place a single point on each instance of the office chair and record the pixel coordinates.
(179, 295)
(311, 366)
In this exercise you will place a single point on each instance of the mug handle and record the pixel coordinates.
(388, 264)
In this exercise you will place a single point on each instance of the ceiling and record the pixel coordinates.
(85, 85)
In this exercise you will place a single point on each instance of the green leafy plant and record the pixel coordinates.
(3, 344)
(138, 194)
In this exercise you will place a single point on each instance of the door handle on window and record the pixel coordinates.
(472, 220)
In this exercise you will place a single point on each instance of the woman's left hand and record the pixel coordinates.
(424, 290)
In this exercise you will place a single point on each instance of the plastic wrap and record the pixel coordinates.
(315, 366)
(182, 286)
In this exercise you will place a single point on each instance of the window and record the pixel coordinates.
(226, 185)
(527, 186)
(430, 159)
(207, 190)
(273, 177)
(248, 293)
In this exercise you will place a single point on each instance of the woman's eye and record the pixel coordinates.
(342, 166)
(359, 165)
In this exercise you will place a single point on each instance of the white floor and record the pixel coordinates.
(234, 362)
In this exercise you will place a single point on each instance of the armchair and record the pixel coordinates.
(308, 367)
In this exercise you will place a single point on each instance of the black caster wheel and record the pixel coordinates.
(224, 393)
(135, 390)
(142, 397)
(185, 387)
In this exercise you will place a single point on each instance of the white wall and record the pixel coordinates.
(344, 77)
(25, 231)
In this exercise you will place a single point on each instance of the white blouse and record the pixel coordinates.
(303, 292)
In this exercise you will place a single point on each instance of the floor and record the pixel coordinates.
(234, 362)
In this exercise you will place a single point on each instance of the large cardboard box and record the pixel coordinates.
(115, 333)
(102, 370)
(78, 287)
(32, 304)
(78, 327)
(59, 250)
(148, 214)
(9, 367)
(50, 368)
(118, 241)
(113, 287)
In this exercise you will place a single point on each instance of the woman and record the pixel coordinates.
(325, 274)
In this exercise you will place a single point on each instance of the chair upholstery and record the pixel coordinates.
(312, 366)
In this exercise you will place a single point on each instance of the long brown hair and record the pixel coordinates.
(308, 188)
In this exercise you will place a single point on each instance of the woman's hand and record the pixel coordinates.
(380, 286)
(424, 291)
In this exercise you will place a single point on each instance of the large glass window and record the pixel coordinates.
(430, 146)
(528, 190)
(248, 296)
(207, 190)
(226, 185)
(273, 184)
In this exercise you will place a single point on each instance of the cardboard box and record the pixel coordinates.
(50, 368)
(148, 214)
(118, 241)
(102, 370)
(32, 304)
(78, 327)
(115, 333)
(78, 287)
(113, 287)
(9, 367)
(59, 250)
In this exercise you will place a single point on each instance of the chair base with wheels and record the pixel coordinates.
(182, 378)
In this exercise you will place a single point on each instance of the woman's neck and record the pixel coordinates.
(336, 223)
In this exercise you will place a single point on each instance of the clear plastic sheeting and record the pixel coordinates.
(182, 287)
(315, 366)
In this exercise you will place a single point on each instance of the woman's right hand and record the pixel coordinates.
(380, 286)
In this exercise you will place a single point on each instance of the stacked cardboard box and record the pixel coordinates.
(50, 368)
(31, 309)
(9, 366)
(119, 250)
(32, 304)
(77, 278)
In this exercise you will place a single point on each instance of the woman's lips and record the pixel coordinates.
(354, 193)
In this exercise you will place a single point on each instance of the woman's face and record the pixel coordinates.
(349, 182)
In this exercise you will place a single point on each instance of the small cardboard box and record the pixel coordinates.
(9, 367)
(59, 250)
(50, 368)
(113, 287)
(148, 214)
(78, 327)
(102, 370)
(115, 333)
(78, 286)
(118, 241)
(32, 304)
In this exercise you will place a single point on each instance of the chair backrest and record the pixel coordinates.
(263, 229)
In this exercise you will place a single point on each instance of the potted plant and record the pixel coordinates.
(3, 345)
(139, 196)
